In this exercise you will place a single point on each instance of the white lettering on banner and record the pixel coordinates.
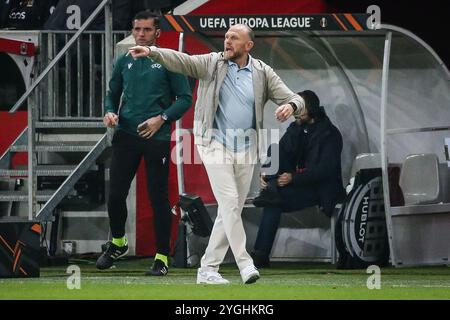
(257, 22)
(295, 22)
(254, 23)
(213, 23)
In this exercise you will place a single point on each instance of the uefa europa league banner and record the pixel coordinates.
(315, 22)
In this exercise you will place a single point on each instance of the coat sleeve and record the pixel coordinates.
(195, 66)
(279, 93)
(112, 100)
(327, 165)
(180, 88)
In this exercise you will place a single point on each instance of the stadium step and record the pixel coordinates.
(41, 195)
(63, 152)
(69, 124)
(41, 170)
(57, 146)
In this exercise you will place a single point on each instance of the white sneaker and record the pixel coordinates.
(249, 274)
(205, 276)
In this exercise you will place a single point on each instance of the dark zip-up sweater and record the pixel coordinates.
(149, 89)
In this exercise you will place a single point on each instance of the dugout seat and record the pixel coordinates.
(366, 161)
(419, 179)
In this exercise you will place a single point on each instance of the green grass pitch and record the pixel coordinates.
(287, 281)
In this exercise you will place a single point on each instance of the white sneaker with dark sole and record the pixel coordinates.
(250, 274)
(205, 276)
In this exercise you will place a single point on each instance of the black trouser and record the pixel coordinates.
(284, 164)
(293, 198)
(127, 151)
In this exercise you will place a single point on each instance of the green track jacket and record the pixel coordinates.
(149, 89)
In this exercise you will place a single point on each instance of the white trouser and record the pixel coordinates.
(230, 174)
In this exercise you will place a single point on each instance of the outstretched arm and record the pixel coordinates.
(195, 66)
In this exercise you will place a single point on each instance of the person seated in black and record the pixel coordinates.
(309, 173)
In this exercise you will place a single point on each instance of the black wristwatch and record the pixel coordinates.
(294, 106)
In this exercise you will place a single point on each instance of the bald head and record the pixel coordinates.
(246, 29)
(238, 43)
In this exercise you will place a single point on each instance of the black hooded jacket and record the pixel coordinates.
(313, 153)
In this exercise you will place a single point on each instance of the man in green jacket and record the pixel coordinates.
(232, 91)
(152, 97)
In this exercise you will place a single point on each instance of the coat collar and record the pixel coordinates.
(255, 62)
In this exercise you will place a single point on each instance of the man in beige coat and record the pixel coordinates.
(233, 89)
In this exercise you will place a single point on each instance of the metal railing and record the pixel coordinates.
(106, 5)
(35, 98)
(75, 88)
